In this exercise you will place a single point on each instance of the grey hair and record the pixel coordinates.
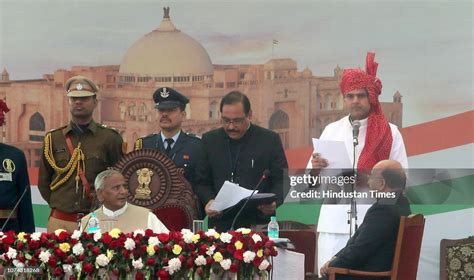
(99, 180)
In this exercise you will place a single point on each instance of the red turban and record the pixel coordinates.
(378, 140)
(3, 109)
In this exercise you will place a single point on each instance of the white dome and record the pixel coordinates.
(166, 51)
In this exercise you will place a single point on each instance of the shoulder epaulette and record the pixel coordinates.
(138, 144)
(57, 129)
(192, 135)
(108, 127)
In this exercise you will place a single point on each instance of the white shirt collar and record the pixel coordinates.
(175, 137)
(363, 122)
(110, 213)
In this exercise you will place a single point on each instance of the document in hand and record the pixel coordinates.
(334, 151)
(229, 195)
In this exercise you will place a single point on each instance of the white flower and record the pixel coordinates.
(44, 256)
(102, 260)
(263, 265)
(137, 264)
(210, 250)
(226, 237)
(200, 260)
(97, 236)
(244, 230)
(2, 257)
(35, 236)
(249, 256)
(211, 232)
(11, 253)
(138, 231)
(76, 234)
(17, 263)
(153, 241)
(173, 265)
(185, 230)
(129, 244)
(77, 249)
(67, 268)
(226, 264)
(187, 236)
(256, 238)
(78, 267)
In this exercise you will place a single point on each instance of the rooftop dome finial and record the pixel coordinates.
(166, 11)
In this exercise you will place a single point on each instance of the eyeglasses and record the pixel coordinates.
(351, 96)
(236, 121)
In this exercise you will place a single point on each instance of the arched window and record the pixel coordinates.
(280, 123)
(37, 127)
(123, 110)
(213, 110)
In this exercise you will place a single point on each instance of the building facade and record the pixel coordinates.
(295, 104)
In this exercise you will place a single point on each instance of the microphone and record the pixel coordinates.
(14, 208)
(265, 175)
(355, 132)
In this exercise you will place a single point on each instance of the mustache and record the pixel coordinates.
(232, 130)
(164, 119)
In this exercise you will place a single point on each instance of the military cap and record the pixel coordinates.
(168, 98)
(80, 86)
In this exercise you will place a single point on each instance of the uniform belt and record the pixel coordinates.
(70, 217)
(4, 213)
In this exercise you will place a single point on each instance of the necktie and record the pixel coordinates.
(170, 141)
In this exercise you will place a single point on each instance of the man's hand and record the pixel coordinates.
(318, 162)
(268, 209)
(211, 213)
(323, 271)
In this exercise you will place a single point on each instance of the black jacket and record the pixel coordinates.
(13, 181)
(373, 245)
(260, 149)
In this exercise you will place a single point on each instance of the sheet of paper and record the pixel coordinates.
(334, 151)
(229, 195)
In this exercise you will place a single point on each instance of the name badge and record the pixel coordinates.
(5, 176)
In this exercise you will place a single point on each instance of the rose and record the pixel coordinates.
(234, 268)
(174, 265)
(102, 260)
(153, 241)
(78, 249)
(115, 233)
(177, 249)
(163, 274)
(200, 260)
(95, 250)
(239, 255)
(226, 237)
(64, 247)
(163, 237)
(44, 256)
(264, 265)
(129, 244)
(249, 256)
(52, 261)
(256, 238)
(218, 257)
(150, 262)
(106, 238)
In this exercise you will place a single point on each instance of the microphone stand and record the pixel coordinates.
(14, 208)
(352, 213)
(264, 176)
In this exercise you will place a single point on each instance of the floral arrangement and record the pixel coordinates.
(143, 254)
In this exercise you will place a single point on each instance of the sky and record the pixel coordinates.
(424, 48)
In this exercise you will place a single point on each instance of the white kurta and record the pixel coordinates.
(153, 222)
(332, 224)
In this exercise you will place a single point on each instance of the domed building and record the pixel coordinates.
(295, 104)
(166, 55)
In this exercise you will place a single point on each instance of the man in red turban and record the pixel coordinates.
(378, 140)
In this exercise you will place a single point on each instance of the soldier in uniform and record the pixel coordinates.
(184, 149)
(15, 188)
(73, 155)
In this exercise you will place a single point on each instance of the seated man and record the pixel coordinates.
(112, 192)
(373, 245)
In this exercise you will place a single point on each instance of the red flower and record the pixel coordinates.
(165, 261)
(95, 250)
(139, 275)
(150, 261)
(202, 249)
(239, 255)
(81, 257)
(163, 274)
(72, 277)
(69, 260)
(33, 244)
(126, 254)
(52, 261)
(87, 268)
(58, 271)
(234, 267)
(199, 270)
(115, 271)
(143, 249)
(209, 261)
(20, 245)
(190, 262)
(181, 258)
(167, 247)
(149, 233)
(231, 248)
(106, 238)
(63, 235)
(163, 237)
(33, 262)
(191, 246)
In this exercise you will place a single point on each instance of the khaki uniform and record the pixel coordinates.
(101, 148)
